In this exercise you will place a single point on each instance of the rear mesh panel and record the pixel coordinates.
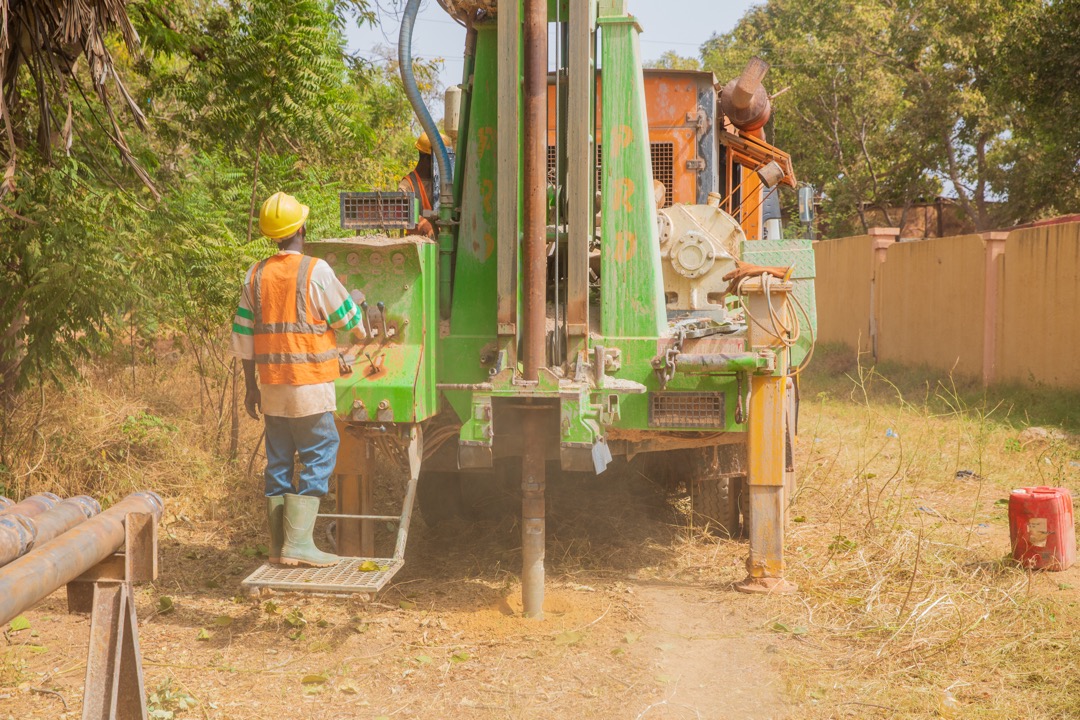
(373, 210)
(686, 409)
(663, 166)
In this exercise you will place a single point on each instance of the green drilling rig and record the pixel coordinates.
(607, 278)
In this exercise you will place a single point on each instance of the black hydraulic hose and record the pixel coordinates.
(405, 61)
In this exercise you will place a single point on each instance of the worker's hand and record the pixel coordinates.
(359, 333)
(253, 402)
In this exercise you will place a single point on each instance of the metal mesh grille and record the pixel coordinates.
(686, 409)
(663, 166)
(345, 577)
(363, 210)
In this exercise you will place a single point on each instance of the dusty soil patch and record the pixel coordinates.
(634, 628)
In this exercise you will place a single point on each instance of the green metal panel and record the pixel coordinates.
(632, 287)
(559, 10)
(473, 320)
(400, 273)
(783, 253)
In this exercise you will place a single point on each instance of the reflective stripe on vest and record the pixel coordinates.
(418, 187)
(292, 347)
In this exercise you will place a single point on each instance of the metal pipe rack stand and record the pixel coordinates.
(98, 561)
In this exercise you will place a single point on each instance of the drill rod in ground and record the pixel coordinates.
(533, 531)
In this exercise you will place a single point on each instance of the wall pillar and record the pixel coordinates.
(883, 237)
(995, 248)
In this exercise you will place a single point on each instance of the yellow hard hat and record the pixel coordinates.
(423, 143)
(281, 216)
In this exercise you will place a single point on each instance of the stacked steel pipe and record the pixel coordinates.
(50, 542)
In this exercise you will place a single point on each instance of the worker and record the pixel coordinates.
(421, 182)
(284, 327)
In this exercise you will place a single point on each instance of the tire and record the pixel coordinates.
(486, 496)
(714, 501)
(439, 497)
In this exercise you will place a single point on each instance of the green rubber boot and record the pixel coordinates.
(299, 523)
(275, 508)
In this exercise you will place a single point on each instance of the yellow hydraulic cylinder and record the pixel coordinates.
(768, 326)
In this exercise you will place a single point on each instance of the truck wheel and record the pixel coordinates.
(439, 496)
(715, 504)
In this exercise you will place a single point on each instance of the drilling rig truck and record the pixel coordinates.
(608, 280)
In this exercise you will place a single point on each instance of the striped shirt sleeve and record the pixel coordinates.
(333, 300)
(243, 325)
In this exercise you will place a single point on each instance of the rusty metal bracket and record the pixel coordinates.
(114, 688)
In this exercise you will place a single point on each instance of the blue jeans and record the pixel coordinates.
(315, 439)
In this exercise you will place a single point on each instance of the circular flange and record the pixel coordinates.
(692, 255)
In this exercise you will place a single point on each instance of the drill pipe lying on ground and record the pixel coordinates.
(46, 526)
(33, 505)
(39, 572)
(17, 536)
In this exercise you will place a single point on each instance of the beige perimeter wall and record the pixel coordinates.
(844, 273)
(1040, 313)
(926, 302)
(931, 304)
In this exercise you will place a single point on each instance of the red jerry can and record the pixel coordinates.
(1041, 528)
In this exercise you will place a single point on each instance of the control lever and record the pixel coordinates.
(367, 324)
(382, 317)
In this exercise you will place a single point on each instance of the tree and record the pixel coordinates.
(891, 102)
(671, 60)
(41, 43)
(845, 118)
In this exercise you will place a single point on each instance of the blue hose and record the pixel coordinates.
(405, 61)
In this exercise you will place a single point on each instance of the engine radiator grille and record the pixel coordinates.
(686, 409)
(375, 210)
(663, 166)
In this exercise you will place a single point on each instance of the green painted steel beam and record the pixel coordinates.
(631, 280)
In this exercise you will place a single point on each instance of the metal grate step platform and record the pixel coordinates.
(345, 578)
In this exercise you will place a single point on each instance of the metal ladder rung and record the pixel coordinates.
(345, 577)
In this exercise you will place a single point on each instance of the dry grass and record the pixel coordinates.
(902, 559)
(107, 435)
(905, 589)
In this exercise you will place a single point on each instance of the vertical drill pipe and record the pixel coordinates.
(532, 515)
(535, 181)
(53, 523)
(39, 572)
(33, 505)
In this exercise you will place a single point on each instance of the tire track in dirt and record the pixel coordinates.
(710, 655)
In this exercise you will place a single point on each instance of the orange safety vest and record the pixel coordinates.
(417, 186)
(292, 346)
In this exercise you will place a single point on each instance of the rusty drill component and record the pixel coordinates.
(66, 515)
(534, 174)
(39, 572)
(56, 521)
(533, 514)
(17, 535)
(33, 505)
(744, 100)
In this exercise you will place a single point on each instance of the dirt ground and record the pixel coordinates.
(905, 595)
(631, 631)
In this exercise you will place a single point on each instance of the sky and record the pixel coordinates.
(679, 25)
